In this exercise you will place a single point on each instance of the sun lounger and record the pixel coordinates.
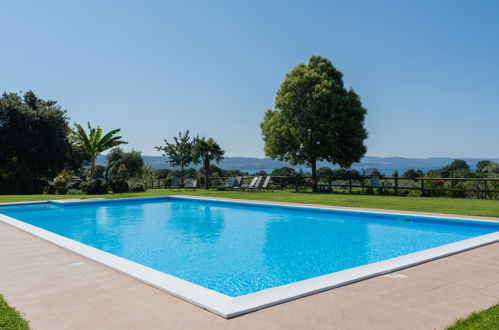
(228, 185)
(266, 184)
(175, 183)
(248, 186)
(190, 183)
(256, 184)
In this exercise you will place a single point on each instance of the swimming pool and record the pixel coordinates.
(234, 257)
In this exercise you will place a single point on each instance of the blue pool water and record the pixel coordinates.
(238, 249)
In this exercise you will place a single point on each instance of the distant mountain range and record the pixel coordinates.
(386, 165)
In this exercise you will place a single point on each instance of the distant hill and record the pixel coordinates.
(385, 164)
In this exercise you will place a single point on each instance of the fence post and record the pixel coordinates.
(350, 185)
(422, 187)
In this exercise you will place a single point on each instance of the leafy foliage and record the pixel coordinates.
(34, 142)
(205, 151)
(482, 165)
(95, 142)
(179, 152)
(10, 318)
(132, 160)
(94, 186)
(120, 182)
(284, 171)
(213, 170)
(412, 174)
(492, 170)
(148, 173)
(60, 182)
(316, 118)
(457, 169)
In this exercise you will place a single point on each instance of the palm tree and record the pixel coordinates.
(205, 151)
(94, 143)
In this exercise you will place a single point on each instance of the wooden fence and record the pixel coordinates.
(483, 188)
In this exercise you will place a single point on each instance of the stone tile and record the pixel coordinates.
(40, 279)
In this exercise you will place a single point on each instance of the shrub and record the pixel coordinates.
(119, 186)
(94, 186)
(60, 182)
(17, 178)
(49, 189)
(75, 192)
(137, 187)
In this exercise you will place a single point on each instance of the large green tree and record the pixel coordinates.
(132, 160)
(34, 142)
(179, 152)
(96, 142)
(315, 118)
(206, 151)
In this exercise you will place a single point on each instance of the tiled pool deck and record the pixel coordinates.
(57, 289)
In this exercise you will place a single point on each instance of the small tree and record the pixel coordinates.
(94, 142)
(132, 160)
(148, 173)
(205, 151)
(179, 152)
(316, 118)
(482, 165)
(412, 174)
(120, 183)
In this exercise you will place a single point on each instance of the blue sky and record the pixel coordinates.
(427, 71)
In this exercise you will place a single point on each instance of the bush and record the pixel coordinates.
(17, 178)
(50, 189)
(94, 186)
(60, 182)
(119, 186)
(75, 192)
(137, 187)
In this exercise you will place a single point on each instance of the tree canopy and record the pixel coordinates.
(457, 169)
(412, 174)
(96, 142)
(132, 160)
(34, 143)
(315, 118)
(205, 151)
(179, 152)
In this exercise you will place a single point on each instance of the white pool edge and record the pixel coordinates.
(229, 307)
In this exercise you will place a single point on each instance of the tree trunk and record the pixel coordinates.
(206, 174)
(181, 175)
(313, 164)
(92, 168)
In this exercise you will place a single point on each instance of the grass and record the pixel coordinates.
(422, 204)
(486, 320)
(10, 318)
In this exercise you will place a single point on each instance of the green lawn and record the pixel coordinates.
(11, 318)
(423, 204)
(486, 320)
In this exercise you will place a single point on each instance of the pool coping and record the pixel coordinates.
(229, 307)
